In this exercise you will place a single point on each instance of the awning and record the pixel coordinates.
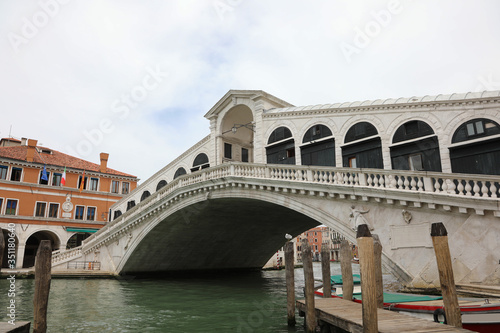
(81, 230)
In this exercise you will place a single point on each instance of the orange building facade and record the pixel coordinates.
(37, 204)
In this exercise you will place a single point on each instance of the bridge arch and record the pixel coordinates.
(295, 216)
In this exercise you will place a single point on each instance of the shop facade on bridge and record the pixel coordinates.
(457, 133)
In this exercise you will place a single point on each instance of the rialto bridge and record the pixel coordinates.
(268, 168)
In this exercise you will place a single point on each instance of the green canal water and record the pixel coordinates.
(243, 302)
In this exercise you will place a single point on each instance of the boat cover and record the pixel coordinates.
(404, 298)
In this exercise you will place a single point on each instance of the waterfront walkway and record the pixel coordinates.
(348, 316)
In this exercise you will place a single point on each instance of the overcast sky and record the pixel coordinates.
(134, 78)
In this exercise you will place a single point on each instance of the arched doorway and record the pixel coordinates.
(407, 153)
(5, 258)
(363, 147)
(33, 243)
(318, 146)
(476, 147)
(77, 239)
(200, 162)
(280, 147)
(237, 131)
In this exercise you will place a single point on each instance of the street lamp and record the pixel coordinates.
(250, 126)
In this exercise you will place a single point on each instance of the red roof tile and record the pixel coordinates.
(56, 158)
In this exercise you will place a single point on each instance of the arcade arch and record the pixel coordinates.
(200, 162)
(415, 147)
(362, 147)
(280, 147)
(237, 134)
(318, 146)
(33, 242)
(475, 147)
(179, 172)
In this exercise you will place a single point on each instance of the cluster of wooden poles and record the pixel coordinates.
(370, 260)
(43, 265)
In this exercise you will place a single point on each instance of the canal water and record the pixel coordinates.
(239, 302)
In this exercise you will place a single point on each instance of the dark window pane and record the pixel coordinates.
(228, 150)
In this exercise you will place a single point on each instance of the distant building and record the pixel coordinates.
(35, 201)
(318, 238)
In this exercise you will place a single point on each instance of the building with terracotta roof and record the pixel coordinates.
(49, 195)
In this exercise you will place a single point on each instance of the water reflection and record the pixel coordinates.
(245, 302)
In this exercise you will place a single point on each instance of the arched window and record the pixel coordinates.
(476, 147)
(281, 147)
(117, 214)
(181, 171)
(200, 162)
(145, 194)
(360, 131)
(365, 151)
(318, 146)
(407, 153)
(130, 204)
(281, 133)
(161, 183)
(474, 129)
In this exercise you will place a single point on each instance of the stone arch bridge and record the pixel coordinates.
(235, 215)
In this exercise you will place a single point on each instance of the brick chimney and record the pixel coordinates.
(30, 154)
(104, 162)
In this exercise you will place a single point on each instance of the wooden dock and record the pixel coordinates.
(347, 315)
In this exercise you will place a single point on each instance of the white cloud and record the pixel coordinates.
(64, 79)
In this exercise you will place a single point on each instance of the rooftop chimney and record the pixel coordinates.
(23, 141)
(104, 162)
(30, 154)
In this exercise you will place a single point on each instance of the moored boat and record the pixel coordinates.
(479, 315)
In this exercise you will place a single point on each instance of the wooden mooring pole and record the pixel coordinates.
(325, 269)
(368, 284)
(309, 287)
(446, 279)
(290, 282)
(346, 269)
(43, 263)
(379, 282)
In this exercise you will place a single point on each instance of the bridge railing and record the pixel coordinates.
(402, 180)
(59, 256)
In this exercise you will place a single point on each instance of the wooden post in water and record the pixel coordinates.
(43, 263)
(2, 247)
(379, 282)
(290, 282)
(446, 279)
(368, 284)
(325, 269)
(309, 287)
(346, 269)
